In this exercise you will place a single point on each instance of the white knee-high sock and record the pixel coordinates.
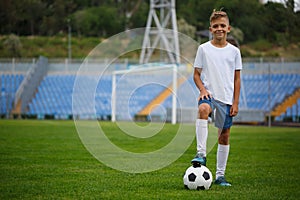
(201, 135)
(222, 157)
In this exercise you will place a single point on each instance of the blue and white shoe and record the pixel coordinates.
(199, 160)
(222, 181)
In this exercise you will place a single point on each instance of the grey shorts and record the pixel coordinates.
(222, 117)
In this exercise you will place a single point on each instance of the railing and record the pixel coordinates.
(30, 83)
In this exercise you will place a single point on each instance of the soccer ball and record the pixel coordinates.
(197, 178)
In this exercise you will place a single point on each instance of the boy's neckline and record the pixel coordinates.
(217, 45)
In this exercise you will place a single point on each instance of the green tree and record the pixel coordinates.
(13, 45)
(195, 12)
(139, 18)
(237, 34)
(8, 16)
(272, 21)
(97, 21)
(185, 28)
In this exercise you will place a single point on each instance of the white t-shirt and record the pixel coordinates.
(218, 68)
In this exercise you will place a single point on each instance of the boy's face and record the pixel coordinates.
(219, 28)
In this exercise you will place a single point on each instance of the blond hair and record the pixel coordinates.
(218, 14)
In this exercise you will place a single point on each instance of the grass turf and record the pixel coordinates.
(46, 160)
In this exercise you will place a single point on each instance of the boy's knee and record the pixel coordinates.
(203, 111)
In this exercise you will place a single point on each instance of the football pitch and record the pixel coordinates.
(46, 160)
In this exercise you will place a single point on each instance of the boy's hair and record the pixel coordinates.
(217, 14)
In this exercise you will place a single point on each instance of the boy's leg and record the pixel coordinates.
(223, 149)
(222, 152)
(201, 139)
(201, 135)
(202, 132)
(222, 156)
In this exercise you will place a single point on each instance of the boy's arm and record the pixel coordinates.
(236, 93)
(199, 84)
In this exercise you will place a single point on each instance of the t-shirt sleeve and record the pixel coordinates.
(198, 63)
(238, 61)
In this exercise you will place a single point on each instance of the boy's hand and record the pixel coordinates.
(234, 110)
(204, 95)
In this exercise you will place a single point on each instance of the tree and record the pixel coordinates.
(139, 17)
(97, 21)
(185, 28)
(237, 34)
(13, 45)
(274, 22)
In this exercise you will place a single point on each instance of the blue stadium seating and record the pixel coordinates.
(256, 88)
(258, 91)
(9, 84)
(139, 97)
(54, 95)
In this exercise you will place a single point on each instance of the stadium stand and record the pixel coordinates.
(29, 85)
(136, 91)
(9, 84)
(53, 97)
(256, 90)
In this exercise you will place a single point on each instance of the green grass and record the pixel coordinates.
(51, 47)
(57, 47)
(46, 160)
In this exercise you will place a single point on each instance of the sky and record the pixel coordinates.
(297, 3)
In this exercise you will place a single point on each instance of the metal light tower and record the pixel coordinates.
(161, 29)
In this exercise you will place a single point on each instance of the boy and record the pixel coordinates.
(217, 76)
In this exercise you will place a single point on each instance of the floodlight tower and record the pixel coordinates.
(161, 30)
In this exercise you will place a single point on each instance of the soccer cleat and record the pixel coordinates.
(199, 160)
(222, 181)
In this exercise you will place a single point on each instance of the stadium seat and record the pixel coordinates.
(54, 94)
(9, 84)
